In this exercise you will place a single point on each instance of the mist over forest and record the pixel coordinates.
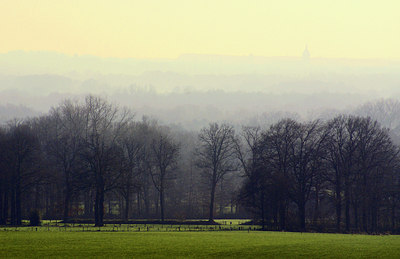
(193, 90)
(201, 136)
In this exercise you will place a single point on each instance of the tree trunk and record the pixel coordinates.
(2, 201)
(88, 204)
(96, 208)
(262, 211)
(101, 208)
(302, 215)
(18, 207)
(37, 197)
(127, 198)
(338, 207)
(99, 205)
(282, 216)
(5, 206)
(374, 219)
(211, 215)
(146, 202)
(275, 214)
(157, 203)
(364, 204)
(67, 194)
(393, 215)
(139, 210)
(66, 203)
(127, 204)
(13, 207)
(347, 204)
(316, 207)
(47, 204)
(146, 195)
(162, 204)
(356, 215)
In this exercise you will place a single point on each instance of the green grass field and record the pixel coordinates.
(232, 244)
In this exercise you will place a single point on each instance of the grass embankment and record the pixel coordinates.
(235, 244)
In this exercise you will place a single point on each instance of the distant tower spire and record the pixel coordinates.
(306, 53)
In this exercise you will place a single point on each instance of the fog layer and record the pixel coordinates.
(195, 89)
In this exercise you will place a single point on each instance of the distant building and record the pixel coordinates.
(306, 54)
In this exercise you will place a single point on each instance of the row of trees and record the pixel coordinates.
(85, 155)
(92, 159)
(347, 166)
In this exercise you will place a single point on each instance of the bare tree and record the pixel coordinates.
(132, 146)
(22, 160)
(216, 156)
(246, 148)
(274, 151)
(306, 154)
(375, 156)
(337, 160)
(65, 126)
(105, 123)
(4, 178)
(287, 159)
(384, 111)
(252, 194)
(162, 157)
(342, 145)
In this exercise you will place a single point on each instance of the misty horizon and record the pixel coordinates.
(203, 88)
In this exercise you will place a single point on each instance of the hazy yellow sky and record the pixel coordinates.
(169, 28)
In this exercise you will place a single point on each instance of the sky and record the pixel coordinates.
(158, 29)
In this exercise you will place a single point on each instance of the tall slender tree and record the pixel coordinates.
(163, 153)
(105, 124)
(216, 156)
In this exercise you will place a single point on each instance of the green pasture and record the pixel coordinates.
(57, 226)
(200, 244)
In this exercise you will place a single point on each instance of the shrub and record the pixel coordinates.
(34, 218)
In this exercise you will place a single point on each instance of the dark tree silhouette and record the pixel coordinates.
(65, 125)
(275, 153)
(216, 156)
(4, 178)
(22, 163)
(133, 147)
(306, 153)
(339, 175)
(105, 124)
(162, 155)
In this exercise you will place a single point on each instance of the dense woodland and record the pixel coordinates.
(95, 160)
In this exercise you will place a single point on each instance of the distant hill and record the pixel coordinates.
(9, 111)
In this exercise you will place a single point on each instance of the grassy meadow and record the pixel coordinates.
(199, 244)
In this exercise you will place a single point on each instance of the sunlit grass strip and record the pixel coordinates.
(69, 227)
(235, 244)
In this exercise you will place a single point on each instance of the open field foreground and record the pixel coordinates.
(237, 244)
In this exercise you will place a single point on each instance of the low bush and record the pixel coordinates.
(34, 218)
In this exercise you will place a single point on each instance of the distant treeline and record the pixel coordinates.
(92, 159)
